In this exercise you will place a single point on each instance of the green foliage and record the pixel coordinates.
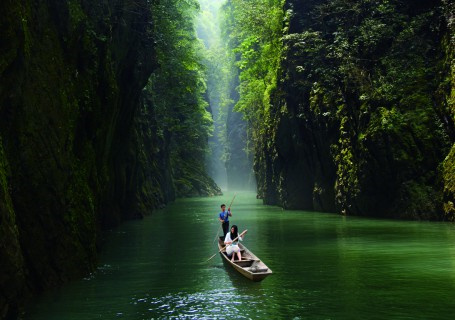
(449, 185)
(380, 61)
(177, 89)
(358, 78)
(216, 63)
(252, 30)
(446, 99)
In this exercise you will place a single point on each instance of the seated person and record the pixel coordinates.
(231, 242)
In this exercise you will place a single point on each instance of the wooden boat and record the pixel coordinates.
(250, 266)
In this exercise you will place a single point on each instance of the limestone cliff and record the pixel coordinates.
(71, 78)
(78, 151)
(363, 112)
(447, 99)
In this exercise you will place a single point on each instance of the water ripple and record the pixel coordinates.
(215, 304)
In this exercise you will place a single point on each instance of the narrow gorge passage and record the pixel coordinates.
(125, 124)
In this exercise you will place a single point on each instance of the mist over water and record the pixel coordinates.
(229, 162)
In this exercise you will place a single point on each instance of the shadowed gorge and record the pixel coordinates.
(231, 158)
(83, 144)
(112, 109)
(351, 107)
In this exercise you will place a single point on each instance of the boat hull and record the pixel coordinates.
(250, 266)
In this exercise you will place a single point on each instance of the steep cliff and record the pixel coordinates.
(71, 77)
(349, 104)
(359, 123)
(78, 149)
(239, 153)
(447, 99)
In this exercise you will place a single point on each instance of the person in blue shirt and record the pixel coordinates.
(224, 218)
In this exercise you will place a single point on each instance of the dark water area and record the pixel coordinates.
(325, 266)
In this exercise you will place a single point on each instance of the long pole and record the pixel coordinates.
(226, 245)
(216, 237)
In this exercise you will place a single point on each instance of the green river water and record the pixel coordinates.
(325, 266)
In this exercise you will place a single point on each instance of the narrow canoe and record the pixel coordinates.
(250, 266)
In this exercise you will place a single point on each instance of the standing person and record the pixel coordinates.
(232, 247)
(224, 218)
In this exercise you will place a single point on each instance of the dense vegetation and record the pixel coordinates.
(347, 106)
(102, 118)
(349, 103)
(231, 152)
(175, 98)
(214, 62)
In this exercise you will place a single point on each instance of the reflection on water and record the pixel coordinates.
(325, 267)
(202, 305)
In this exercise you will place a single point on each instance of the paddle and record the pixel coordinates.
(229, 208)
(226, 245)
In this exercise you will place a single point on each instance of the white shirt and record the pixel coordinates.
(228, 238)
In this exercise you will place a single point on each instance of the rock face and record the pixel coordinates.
(71, 78)
(363, 115)
(78, 152)
(239, 162)
(447, 98)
